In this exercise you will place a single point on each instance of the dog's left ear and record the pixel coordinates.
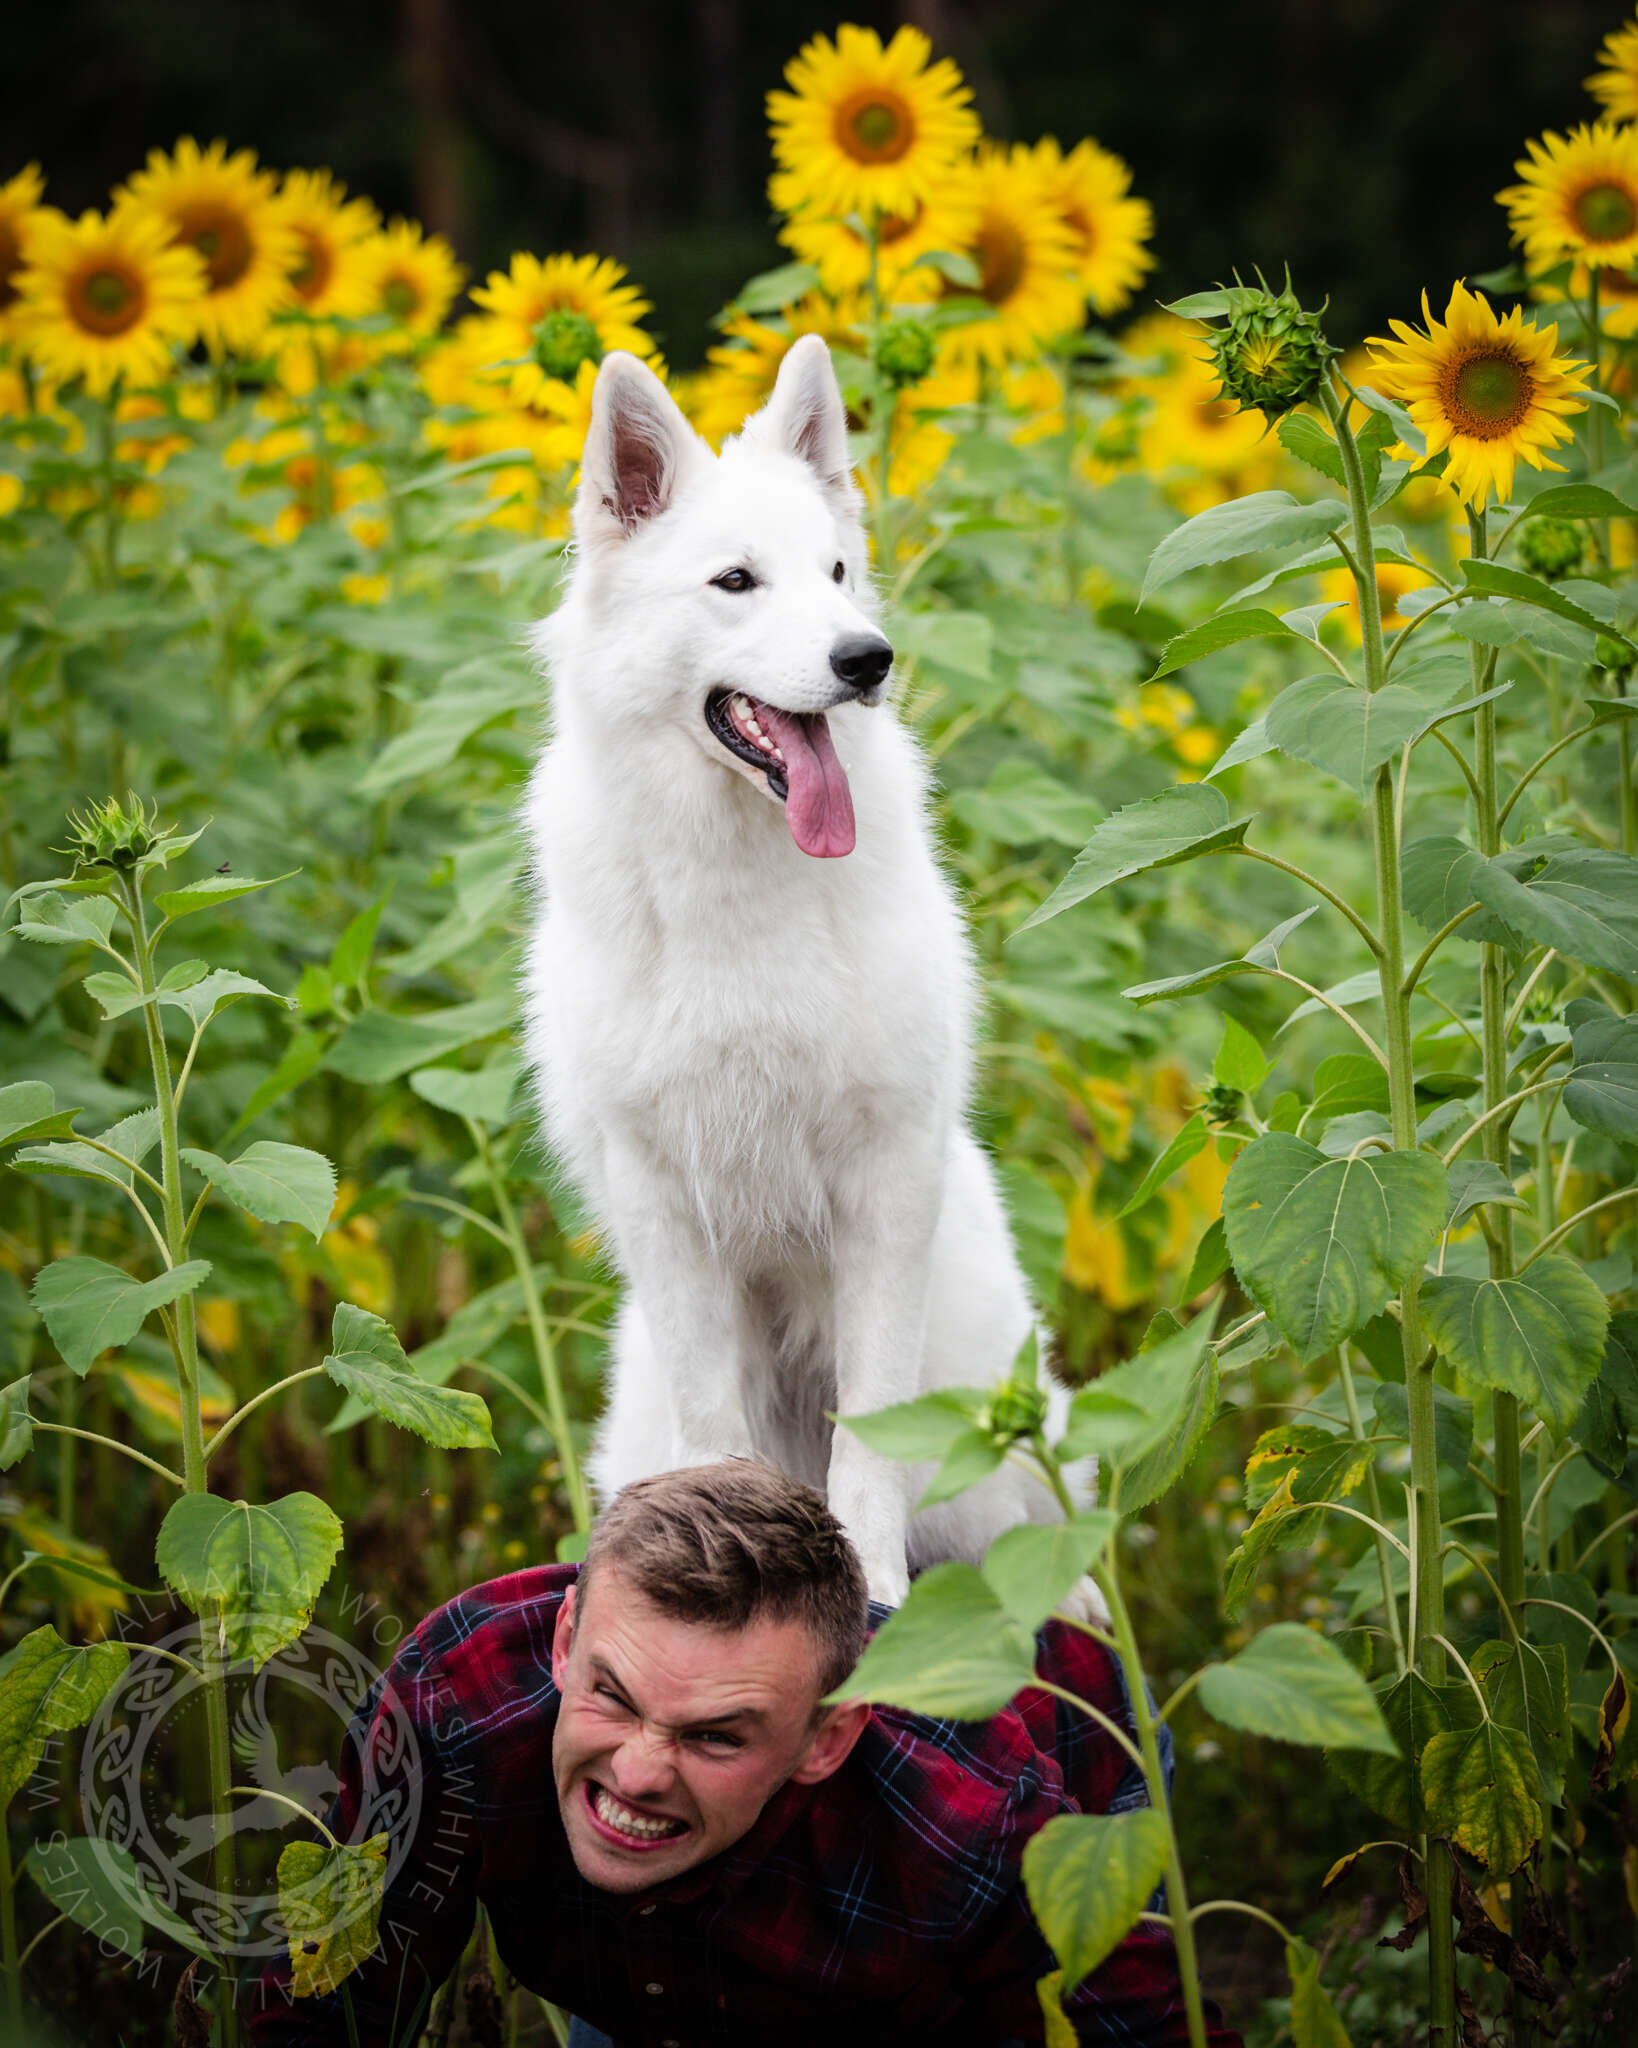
(806, 417)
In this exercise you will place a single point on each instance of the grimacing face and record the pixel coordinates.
(672, 1736)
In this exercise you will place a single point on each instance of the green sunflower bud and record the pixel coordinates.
(1551, 547)
(114, 835)
(1017, 1412)
(1613, 656)
(564, 340)
(904, 351)
(1270, 355)
(1222, 1105)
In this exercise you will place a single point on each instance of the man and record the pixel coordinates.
(629, 1767)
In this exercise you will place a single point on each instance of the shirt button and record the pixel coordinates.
(654, 1990)
(668, 2042)
(644, 1911)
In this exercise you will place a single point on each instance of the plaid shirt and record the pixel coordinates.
(884, 1905)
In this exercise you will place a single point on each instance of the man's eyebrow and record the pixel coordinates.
(750, 1714)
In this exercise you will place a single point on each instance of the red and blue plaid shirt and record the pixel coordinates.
(883, 1905)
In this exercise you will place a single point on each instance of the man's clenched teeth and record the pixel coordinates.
(743, 712)
(639, 1826)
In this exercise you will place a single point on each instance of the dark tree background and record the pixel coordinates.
(1362, 140)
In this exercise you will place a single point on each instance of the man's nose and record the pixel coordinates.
(643, 1766)
(861, 660)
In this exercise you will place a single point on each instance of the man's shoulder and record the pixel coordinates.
(488, 1649)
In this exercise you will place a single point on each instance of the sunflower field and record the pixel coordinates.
(1279, 690)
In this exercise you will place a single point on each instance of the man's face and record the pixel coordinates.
(672, 1737)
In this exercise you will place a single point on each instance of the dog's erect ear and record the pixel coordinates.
(806, 416)
(638, 450)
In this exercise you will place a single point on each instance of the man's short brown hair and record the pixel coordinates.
(725, 1545)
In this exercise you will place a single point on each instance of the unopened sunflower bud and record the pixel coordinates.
(1017, 1412)
(1222, 1105)
(1613, 655)
(1270, 355)
(114, 835)
(564, 340)
(904, 351)
(1551, 547)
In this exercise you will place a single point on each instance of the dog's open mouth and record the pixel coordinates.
(795, 752)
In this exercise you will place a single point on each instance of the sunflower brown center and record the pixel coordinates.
(1487, 394)
(1001, 260)
(1618, 284)
(11, 257)
(316, 267)
(874, 128)
(222, 239)
(106, 299)
(400, 297)
(1606, 213)
(893, 227)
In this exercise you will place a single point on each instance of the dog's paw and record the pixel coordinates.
(1083, 1602)
(887, 1583)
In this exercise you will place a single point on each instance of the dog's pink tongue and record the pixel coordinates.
(819, 807)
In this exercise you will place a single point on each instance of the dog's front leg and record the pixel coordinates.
(688, 1299)
(882, 1243)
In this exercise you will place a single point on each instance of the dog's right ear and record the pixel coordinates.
(638, 450)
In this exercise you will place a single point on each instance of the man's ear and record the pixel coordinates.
(806, 417)
(639, 449)
(563, 1638)
(839, 1729)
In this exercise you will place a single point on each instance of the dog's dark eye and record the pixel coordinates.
(735, 579)
(839, 573)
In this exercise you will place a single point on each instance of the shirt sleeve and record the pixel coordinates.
(407, 1771)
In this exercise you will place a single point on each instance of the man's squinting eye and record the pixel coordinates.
(718, 1738)
(735, 580)
(839, 573)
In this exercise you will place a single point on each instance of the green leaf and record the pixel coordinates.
(1088, 1877)
(1241, 1062)
(1321, 1245)
(1210, 1262)
(1059, 2027)
(1528, 1687)
(1474, 1183)
(1034, 1567)
(367, 1359)
(1261, 958)
(971, 1457)
(1539, 1335)
(52, 920)
(1549, 1625)
(485, 1096)
(29, 1113)
(771, 291)
(16, 1424)
(1497, 580)
(330, 1901)
(48, 1687)
(1022, 803)
(1480, 1787)
(115, 993)
(1602, 1092)
(275, 1183)
(923, 1428)
(211, 892)
(1293, 1685)
(1179, 824)
(350, 956)
(1222, 629)
(1579, 501)
(1314, 2022)
(1607, 1425)
(1585, 903)
(1414, 1712)
(97, 1883)
(88, 1305)
(255, 1571)
(1346, 731)
(1140, 1405)
(202, 999)
(1157, 1470)
(379, 1046)
(301, 1058)
(1264, 519)
(1308, 441)
(951, 1649)
(1192, 1139)
(1452, 1421)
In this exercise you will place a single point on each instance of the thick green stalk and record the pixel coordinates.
(1427, 1564)
(193, 1434)
(1373, 1498)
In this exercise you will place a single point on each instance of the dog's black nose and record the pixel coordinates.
(861, 660)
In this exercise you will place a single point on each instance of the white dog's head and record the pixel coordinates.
(733, 591)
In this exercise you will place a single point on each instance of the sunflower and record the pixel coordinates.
(1206, 448)
(1091, 188)
(547, 318)
(867, 129)
(329, 268)
(1490, 390)
(19, 209)
(105, 298)
(741, 369)
(945, 218)
(1393, 581)
(1579, 198)
(413, 277)
(222, 207)
(1025, 251)
(453, 369)
(1617, 85)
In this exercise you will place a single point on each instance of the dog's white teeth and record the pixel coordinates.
(764, 743)
(742, 706)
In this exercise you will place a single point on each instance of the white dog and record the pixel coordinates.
(749, 996)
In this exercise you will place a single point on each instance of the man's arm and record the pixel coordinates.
(408, 1769)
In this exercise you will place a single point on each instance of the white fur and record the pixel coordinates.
(754, 1063)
